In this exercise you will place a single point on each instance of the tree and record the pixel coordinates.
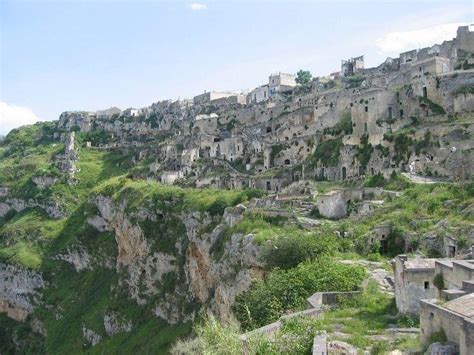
(303, 77)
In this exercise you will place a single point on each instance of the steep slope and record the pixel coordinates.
(91, 257)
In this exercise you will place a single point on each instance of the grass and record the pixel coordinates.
(25, 236)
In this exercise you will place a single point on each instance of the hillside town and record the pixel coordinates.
(229, 205)
(276, 133)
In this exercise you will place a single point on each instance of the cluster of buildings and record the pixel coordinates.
(441, 293)
(278, 127)
(277, 83)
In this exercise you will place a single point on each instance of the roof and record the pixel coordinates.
(463, 305)
(419, 263)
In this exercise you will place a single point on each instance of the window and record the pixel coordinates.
(366, 108)
(401, 113)
(427, 285)
(365, 127)
(425, 91)
(390, 113)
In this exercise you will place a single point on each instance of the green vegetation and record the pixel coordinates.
(343, 126)
(354, 81)
(287, 251)
(327, 153)
(433, 106)
(276, 149)
(438, 281)
(173, 198)
(17, 337)
(364, 151)
(286, 290)
(464, 90)
(362, 320)
(303, 77)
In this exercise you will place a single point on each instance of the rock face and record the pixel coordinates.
(206, 267)
(91, 337)
(18, 290)
(114, 323)
(52, 209)
(43, 182)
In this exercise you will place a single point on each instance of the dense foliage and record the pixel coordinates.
(286, 290)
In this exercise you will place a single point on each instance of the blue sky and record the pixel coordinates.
(89, 55)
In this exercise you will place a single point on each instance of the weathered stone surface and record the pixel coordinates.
(114, 323)
(91, 337)
(18, 290)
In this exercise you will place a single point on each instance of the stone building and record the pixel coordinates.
(258, 94)
(455, 318)
(209, 96)
(352, 66)
(280, 82)
(413, 282)
(109, 113)
(441, 291)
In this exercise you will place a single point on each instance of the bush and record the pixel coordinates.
(376, 180)
(288, 251)
(364, 151)
(433, 106)
(438, 337)
(343, 126)
(327, 153)
(287, 290)
(438, 281)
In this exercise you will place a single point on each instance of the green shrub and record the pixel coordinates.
(327, 153)
(376, 180)
(343, 126)
(288, 251)
(438, 281)
(438, 337)
(286, 290)
(433, 106)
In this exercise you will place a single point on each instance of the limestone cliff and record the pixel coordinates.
(197, 273)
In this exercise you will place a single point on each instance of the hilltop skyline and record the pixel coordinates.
(94, 55)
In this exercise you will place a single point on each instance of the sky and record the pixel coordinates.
(88, 55)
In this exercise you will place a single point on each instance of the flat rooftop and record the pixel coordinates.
(419, 263)
(463, 305)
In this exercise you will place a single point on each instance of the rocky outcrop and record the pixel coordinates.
(44, 181)
(52, 209)
(91, 337)
(194, 272)
(114, 323)
(79, 258)
(18, 290)
(129, 237)
(67, 161)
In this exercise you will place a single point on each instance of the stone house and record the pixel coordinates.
(450, 309)
(169, 177)
(258, 94)
(352, 66)
(455, 318)
(131, 112)
(413, 279)
(334, 204)
(280, 82)
(109, 113)
(209, 96)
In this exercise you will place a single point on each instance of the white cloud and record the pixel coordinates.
(195, 6)
(400, 41)
(12, 116)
